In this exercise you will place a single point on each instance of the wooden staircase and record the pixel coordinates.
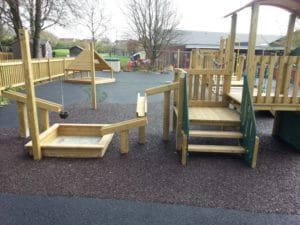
(224, 117)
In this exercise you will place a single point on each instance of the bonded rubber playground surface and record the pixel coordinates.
(149, 185)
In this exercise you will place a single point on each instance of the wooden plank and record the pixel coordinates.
(140, 106)
(104, 143)
(161, 89)
(22, 119)
(273, 60)
(41, 103)
(213, 115)
(289, 34)
(194, 103)
(80, 129)
(197, 85)
(287, 79)
(184, 149)
(250, 67)
(216, 149)
(208, 71)
(262, 61)
(232, 42)
(255, 153)
(166, 117)
(215, 134)
(142, 135)
(179, 112)
(191, 77)
(124, 125)
(279, 78)
(31, 106)
(44, 119)
(124, 141)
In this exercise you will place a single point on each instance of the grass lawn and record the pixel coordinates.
(61, 52)
(123, 59)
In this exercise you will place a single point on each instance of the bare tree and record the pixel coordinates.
(37, 14)
(95, 18)
(154, 23)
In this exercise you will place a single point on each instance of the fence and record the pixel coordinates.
(12, 72)
(6, 56)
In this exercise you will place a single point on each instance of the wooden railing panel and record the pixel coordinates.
(12, 73)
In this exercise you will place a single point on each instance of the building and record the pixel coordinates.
(75, 50)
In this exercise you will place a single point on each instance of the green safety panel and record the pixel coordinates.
(248, 123)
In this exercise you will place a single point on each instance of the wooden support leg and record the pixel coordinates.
(184, 149)
(23, 122)
(124, 141)
(166, 122)
(142, 135)
(44, 120)
(255, 153)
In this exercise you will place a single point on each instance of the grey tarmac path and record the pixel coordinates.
(40, 210)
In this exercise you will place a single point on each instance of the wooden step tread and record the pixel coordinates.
(214, 116)
(216, 149)
(215, 134)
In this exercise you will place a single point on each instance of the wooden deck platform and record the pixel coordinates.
(87, 80)
(214, 115)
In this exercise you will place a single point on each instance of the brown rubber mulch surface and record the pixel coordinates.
(152, 172)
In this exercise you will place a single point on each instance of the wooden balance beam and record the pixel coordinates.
(123, 128)
(43, 105)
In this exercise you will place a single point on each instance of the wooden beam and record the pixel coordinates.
(29, 85)
(179, 112)
(40, 103)
(289, 34)
(44, 119)
(22, 119)
(124, 141)
(124, 125)
(93, 77)
(250, 67)
(232, 42)
(255, 153)
(161, 89)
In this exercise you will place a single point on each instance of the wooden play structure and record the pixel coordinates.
(81, 68)
(68, 140)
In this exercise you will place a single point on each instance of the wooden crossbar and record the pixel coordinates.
(41, 103)
(123, 126)
(161, 88)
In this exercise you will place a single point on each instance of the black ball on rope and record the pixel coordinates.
(63, 114)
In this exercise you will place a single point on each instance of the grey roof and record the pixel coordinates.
(206, 39)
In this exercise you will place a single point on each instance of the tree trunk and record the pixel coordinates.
(37, 31)
(14, 9)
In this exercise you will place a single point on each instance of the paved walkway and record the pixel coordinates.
(37, 210)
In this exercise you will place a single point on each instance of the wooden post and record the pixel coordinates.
(166, 121)
(49, 69)
(31, 105)
(178, 59)
(289, 34)
(23, 122)
(44, 119)
(179, 114)
(232, 41)
(250, 67)
(142, 135)
(124, 141)
(93, 78)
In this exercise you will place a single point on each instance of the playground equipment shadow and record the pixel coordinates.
(152, 172)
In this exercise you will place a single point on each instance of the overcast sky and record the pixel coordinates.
(202, 15)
